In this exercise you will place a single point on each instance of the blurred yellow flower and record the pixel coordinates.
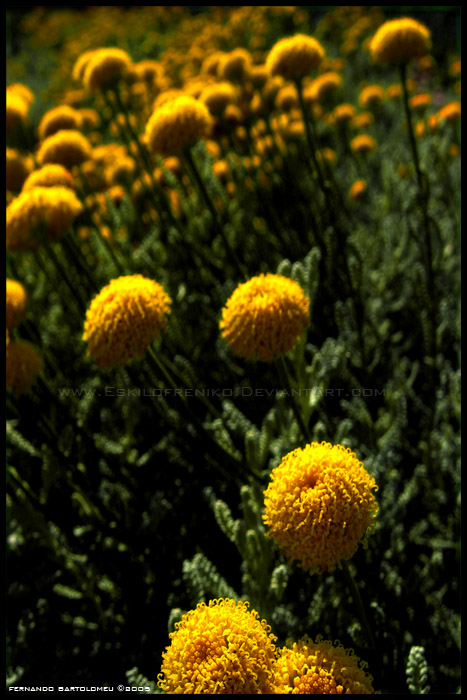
(23, 364)
(58, 118)
(67, 147)
(16, 303)
(104, 68)
(364, 143)
(294, 57)
(400, 40)
(179, 123)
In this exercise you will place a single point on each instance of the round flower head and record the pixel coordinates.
(50, 175)
(357, 190)
(400, 40)
(363, 144)
(371, 95)
(58, 118)
(216, 97)
(234, 65)
(67, 147)
(320, 668)
(16, 110)
(450, 112)
(17, 169)
(222, 648)
(264, 317)
(319, 505)
(124, 318)
(23, 364)
(294, 57)
(16, 303)
(104, 68)
(47, 211)
(344, 113)
(177, 124)
(321, 86)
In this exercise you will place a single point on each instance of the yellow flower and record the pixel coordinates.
(47, 210)
(294, 57)
(264, 317)
(393, 92)
(222, 648)
(235, 65)
(23, 364)
(58, 118)
(124, 318)
(321, 668)
(16, 110)
(319, 504)
(344, 113)
(24, 92)
(216, 97)
(287, 98)
(177, 124)
(362, 120)
(67, 147)
(357, 190)
(322, 86)
(363, 144)
(51, 175)
(371, 95)
(104, 68)
(18, 168)
(400, 40)
(81, 63)
(16, 303)
(421, 101)
(450, 112)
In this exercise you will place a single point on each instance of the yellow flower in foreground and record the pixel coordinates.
(177, 124)
(320, 668)
(16, 303)
(222, 648)
(294, 57)
(400, 40)
(23, 364)
(124, 318)
(264, 317)
(104, 67)
(67, 147)
(47, 211)
(319, 505)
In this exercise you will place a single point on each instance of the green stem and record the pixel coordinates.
(285, 379)
(358, 602)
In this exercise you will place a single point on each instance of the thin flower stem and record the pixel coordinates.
(358, 602)
(285, 379)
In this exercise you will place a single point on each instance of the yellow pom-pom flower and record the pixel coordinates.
(16, 303)
(400, 40)
(294, 57)
(47, 211)
(57, 119)
(16, 110)
(177, 124)
(216, 97)
(124, 318)
(319, 505)
(322, 86)
(450, 113)
(357, 190)
(221, 648)
(104, 67)
(364, 143)
(371, 95)
(344, 113)
(17, 169)
(23, 364)
(264, 317)
(321, 668)
(67, 147)
(50, 175)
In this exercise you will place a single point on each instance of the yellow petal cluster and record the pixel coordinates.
(23, 364)
(264, 317)
(177, 124)
(58, 118)
(124, 318)
(17, 169)
(50, 175)
(221, 648)
(319, 504)
(47, 211)
(67, 147)
(400, 40)
(104, 67)
(16, 303)
(321, 668)
(294, 57)
(216, 97)
(364, 143)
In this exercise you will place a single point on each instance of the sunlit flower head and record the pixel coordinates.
(344, 113)
(221, 648)
(179, 123)
(17, 169)
(234, 66)
(319, 505)
(450, 113)
(322, 86)
(357, 190)
(294, 57)
(421, 101)
(16, 303)
(400, 40)
(81, 63)
(50, 175)
(124, 318)
(16, 110)
(320, 667)
(40, 212)
(264, 317)
(364, 143)
(23, 364)
(216, 97)
(371, 96)
(23, 91)
(67, 147)
(58, 118)
(104, 68)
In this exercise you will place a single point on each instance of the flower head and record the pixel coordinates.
(67, 147)
(50, 175)
(357, 190)
(16, 303)
(58, 118)
(371, 95)
(124, 318)
(41, 210)
(364, 143)
(220, 648)
(18, 168)
(264, 317)
(294, 57)
(23, 364)
(16, 110)
(104, 67)
(216, 97)
(322, 86)
(177, 124)
(400, 40)
(450, 113)
(319, 504)
(321, 668)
